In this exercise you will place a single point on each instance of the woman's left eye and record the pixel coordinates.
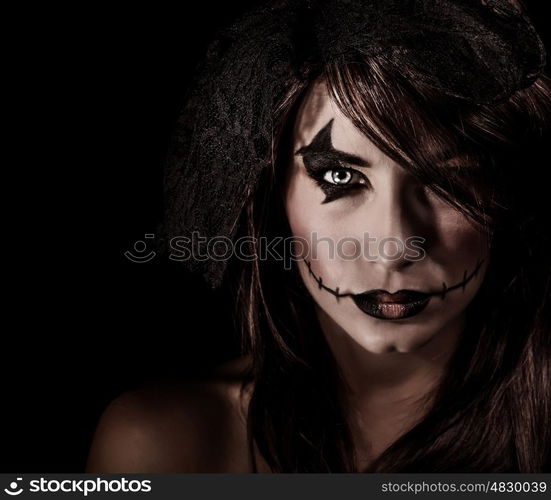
(339, 176)
(336, 180)
(343, 177)
(340, 181)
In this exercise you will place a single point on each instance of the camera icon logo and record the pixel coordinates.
(13, 491)
(139, 254)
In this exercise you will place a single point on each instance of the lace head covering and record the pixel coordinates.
(476, 50)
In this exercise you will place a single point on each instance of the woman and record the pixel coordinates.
(394, 150)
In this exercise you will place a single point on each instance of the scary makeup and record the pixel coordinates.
(386, 260)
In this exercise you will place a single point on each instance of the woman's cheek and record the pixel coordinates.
(459, 240)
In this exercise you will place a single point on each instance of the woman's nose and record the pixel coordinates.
(395, 223)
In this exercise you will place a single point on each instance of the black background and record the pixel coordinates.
(83, 324)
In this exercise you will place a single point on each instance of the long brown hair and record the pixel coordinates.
(492, 411)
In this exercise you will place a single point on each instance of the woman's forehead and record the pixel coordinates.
(316, 111)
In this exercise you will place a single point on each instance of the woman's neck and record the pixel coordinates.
(388, 393)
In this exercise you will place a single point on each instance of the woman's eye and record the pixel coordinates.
(339, 182)
(343, 177)
(338, 176)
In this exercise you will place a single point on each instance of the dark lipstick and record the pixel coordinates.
(384, 305)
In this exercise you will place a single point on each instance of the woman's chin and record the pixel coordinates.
(382, 336)
(386, 340)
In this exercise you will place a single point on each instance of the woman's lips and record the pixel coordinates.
(384, 305)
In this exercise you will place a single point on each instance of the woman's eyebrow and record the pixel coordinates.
(321, 145)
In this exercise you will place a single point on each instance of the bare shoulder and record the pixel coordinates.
(172, 425)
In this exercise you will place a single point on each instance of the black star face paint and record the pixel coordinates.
(330, 168)
(341, 187)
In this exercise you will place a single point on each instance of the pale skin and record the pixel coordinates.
(391, 367)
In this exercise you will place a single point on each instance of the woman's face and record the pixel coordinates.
(364, 229)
